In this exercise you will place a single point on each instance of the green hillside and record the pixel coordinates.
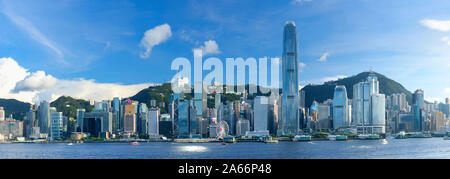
(69, 105)
(14, 107)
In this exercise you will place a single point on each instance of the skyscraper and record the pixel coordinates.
(80, 118)
(290, 99)
(261, 107)
(182, 120)
(56, 129)
(116, 114)
(44, 117)
(129, 125)
(153, 121)
(340, 107)
(368, 106)
(2, 114)
(418, 110)
(142, 122)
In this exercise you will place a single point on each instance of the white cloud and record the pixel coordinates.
(441, 25)
(446, 40)
(302, 65)
(209, 47)
(154, 37)
(300, 87)
(434, 99)
(11, 73)
(324, 57)
(17, 83)
(30, 29)
(447, 90)
(35, 82)
(333, 78)
(300, 1)
(89, 89)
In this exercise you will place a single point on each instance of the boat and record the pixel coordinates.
(363, 136)
(70, 143)
(438, 134)
(301, 138)
(401, 135)
(374, 136)
(368, 136)
(447, 136)
(341, 137)
(134, 143)
(224, 143)
(270, 140)
(331, 137)
(229, 139)
(420, 135)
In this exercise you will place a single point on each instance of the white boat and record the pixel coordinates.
(363, 136)
(70, 143)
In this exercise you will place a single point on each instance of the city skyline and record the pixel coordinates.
(64, 49)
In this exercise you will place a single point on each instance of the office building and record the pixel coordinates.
(56, 131)
(2, 113)
(129, 125)
(80, 118)
(368, 106)
(340, 108)
(418, 107)
(44, 117)
(153, 121)
(290, 98)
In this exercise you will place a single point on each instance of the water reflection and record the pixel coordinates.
(384, 141)
(194, 148)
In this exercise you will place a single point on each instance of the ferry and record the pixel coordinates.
(301, 138)
(331, 137)
(341, 137)
(368, 136)
(420, 135)
(229, 139)
(270, 140)
(401, 135)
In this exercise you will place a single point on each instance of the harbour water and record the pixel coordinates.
(359, 149)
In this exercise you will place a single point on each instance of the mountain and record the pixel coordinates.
(17, 108)
(69, 105)
(325, 91)
(160, 93)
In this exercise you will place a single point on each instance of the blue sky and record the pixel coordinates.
(79, 41)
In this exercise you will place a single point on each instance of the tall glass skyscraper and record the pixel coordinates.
(340, 107)
(44, 117)
(80, 118)
(182, 120)
(418, 107)
(290, 99)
